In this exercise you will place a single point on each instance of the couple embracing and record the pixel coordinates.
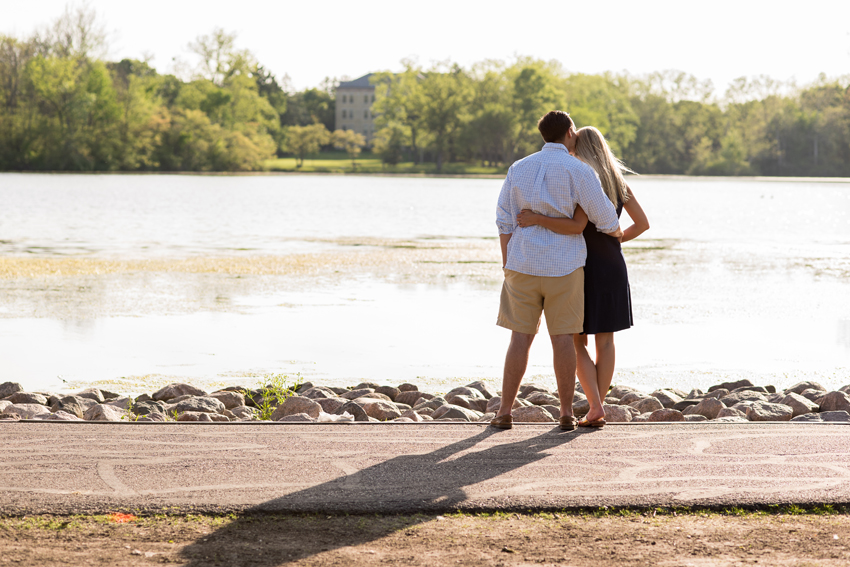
(558, 218)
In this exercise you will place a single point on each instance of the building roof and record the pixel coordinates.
(361, 83)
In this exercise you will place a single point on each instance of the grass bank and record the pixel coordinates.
(339, 162)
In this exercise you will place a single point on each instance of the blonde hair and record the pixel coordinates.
(592, 149)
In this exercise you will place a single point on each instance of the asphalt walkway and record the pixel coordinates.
(62, 468)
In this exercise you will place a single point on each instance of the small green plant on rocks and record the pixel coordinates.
(273, 391)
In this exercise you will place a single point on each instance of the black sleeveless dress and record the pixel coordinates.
(607, 297)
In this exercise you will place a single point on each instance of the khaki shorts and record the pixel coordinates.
(525, 297)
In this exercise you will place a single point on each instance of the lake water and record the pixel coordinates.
(397, 279)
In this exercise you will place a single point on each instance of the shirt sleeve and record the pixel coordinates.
(504, 214)
(595, 203)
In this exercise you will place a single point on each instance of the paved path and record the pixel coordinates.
(86, 468)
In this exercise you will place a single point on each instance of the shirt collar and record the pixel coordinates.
(554, 146)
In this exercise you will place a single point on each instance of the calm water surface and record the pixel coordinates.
(735, 278)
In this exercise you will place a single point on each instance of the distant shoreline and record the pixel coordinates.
(654, 176)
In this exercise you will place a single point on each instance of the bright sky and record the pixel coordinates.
(309, 40)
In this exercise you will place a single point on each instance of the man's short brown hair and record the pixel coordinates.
(555, 125)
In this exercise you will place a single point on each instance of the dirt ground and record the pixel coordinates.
(630, 538)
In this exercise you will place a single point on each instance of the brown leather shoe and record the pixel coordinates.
(567, 422)
(502, 421)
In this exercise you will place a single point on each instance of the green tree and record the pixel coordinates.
(447, 93)
(389, 143)
(305, 140)
(350, 141)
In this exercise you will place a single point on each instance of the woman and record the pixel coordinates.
(607, 298)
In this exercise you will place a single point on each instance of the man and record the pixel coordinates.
(544, 271)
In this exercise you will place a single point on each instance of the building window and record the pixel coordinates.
(343, 113)
(343, 98)
(365, 114)
(373, 98)
(366, 98)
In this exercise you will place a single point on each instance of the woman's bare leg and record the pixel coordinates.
(605, 358)
(586, 372)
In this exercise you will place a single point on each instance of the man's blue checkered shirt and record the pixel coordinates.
(551, 182)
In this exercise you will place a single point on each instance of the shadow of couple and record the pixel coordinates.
(414, 485)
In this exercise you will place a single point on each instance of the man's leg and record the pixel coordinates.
(516, 362)
(565, 371)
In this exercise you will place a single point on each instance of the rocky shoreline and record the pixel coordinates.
(739, 401)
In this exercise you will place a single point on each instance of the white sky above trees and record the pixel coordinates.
(312, 39)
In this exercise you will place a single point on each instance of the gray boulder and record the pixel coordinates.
(666, 414)
(229, 399)
(731, 419)
(9, 388)
(407, 387)
(799, 404)
(297, 417)
(245, 413)
(27, 398)
(61, 416)
(91, 394)
(845, 389)
(809, 417)
(647, 405)
(370, 385)
(766, 411)
(9, 417)
(382, 410)
(543, 399)
(356, 393)
(835, 401)
(463, 401)
(388, 391)
(433, 403)
(195, 416)
(176, 390)
(840, 416)
(695, 417)
(102, 412)
(680, 406)
(759, 389)
(198, 403)
(4, 404)
(801, 387)
(330, 405)
(319, 392)
(532, 414)
(481, 387)
(494, 403)
(581, 407)
(731, 412)
(641, 418)
(695, 394)
(731, 385)
(26, 411)
(526, 389)
(743, 396)
(708, 408)
(470, 393)
(619, 391)
(455, 412)
(412, 416)
(616, 414)
(667, 398)
(409, 397)
(631, 397)
(149, 408)
(813, 395)
(297, 404)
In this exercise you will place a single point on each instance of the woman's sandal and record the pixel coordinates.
(595, 423)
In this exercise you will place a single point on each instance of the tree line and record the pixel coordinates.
(63, 107)
(664, 123)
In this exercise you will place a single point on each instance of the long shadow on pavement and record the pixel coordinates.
(413, 485)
